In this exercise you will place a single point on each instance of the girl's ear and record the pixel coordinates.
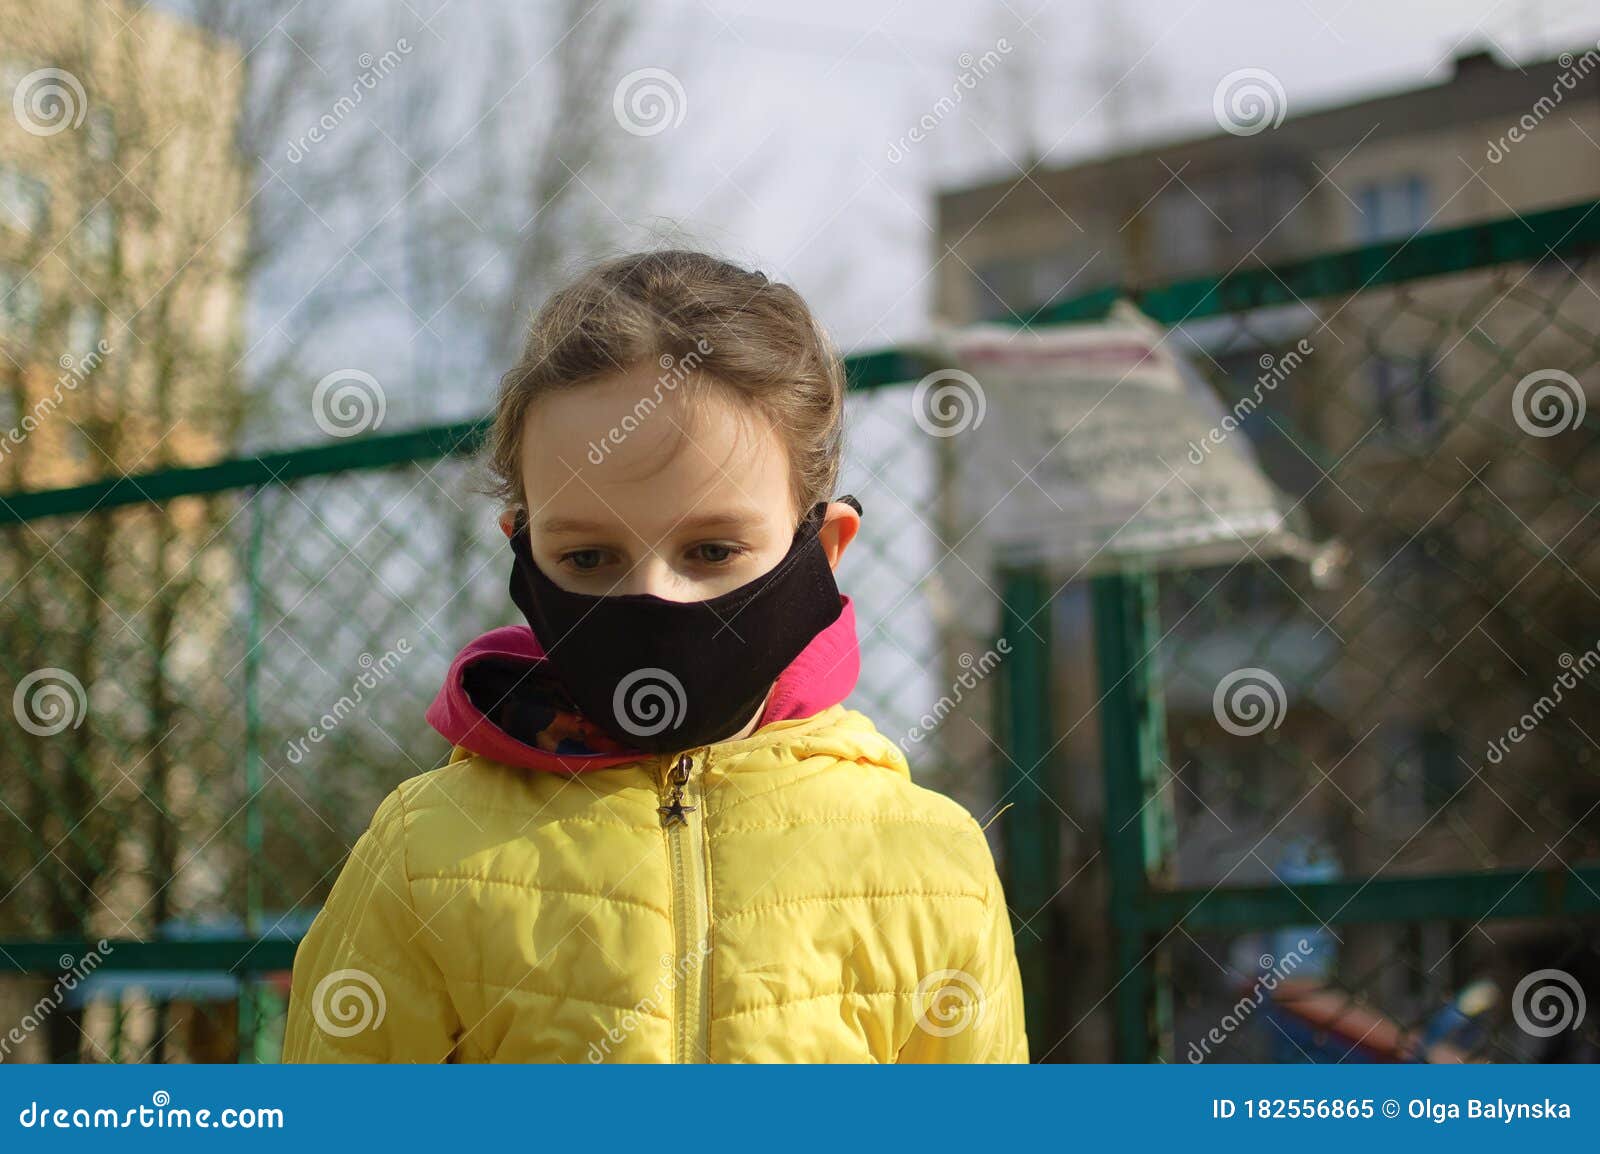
(840, 523)
(508, 522)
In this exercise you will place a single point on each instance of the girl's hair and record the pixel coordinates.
(703, 321)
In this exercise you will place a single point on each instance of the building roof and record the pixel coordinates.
(1480, 87)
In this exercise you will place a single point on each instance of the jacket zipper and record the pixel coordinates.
(683, 820)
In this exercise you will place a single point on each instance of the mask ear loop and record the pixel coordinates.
(815, 516)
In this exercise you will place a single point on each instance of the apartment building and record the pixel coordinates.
(120, 222)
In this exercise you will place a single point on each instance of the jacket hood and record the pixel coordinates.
(501, 696)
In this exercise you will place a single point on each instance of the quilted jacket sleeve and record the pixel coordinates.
(365, 988)
(974, 1014)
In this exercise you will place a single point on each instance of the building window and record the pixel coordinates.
(1186, 233)
(1426, 769)
(19, 303)
(98, 233)
(1025, 284)
(79, 445)
(1391, 209)
(12, 72)
(1442, 771)
(1405, 396)
(102, 134)
(85, 326)
(24, 200)
(1002, 285)
(1414, 570)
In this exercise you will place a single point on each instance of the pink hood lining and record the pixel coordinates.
(822, 675)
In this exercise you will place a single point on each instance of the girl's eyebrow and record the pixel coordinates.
(570, 525)
(719, 519)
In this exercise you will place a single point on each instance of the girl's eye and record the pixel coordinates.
(716, 553)
(583, 560)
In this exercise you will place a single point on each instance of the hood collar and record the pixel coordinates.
(822, 675)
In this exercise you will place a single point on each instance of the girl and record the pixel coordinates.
(661, 836)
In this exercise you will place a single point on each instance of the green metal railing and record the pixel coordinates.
(289, 516)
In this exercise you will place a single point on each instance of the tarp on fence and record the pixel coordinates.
(1096, 447)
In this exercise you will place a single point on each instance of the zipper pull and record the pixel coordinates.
(674, 812)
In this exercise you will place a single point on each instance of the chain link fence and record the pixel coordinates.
(1396, 741)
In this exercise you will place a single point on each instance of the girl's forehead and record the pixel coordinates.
(626, 455)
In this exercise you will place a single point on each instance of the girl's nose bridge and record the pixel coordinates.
(652, 574)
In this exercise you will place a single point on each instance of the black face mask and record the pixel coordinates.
(661, 675)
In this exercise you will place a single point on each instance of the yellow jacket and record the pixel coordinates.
(809, 904)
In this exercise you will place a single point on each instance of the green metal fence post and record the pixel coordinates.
(1138, 827)
(249, 1010)
(1030, 826)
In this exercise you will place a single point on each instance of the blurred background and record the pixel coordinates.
(261, 264)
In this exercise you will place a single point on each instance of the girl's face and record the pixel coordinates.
(629, 490)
